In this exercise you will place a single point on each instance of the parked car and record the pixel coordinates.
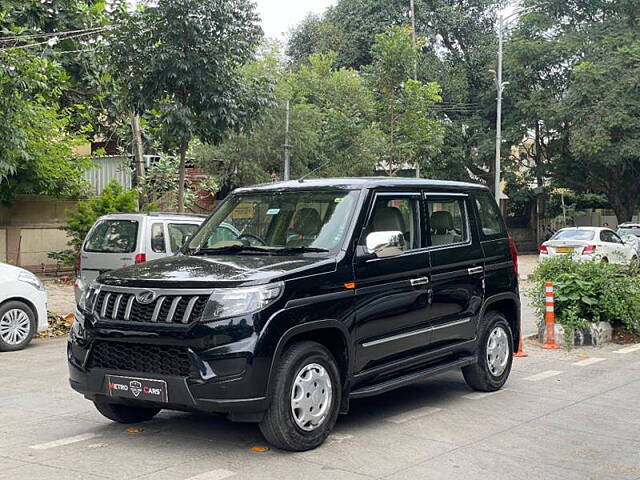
(331, 290)
(630, 233)
(589, 243)
(23, 307)
(121, 239)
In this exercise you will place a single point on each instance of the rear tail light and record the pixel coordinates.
(77, 264)
(589, 249)
(514, 255)
(141, 258)
(543, 249)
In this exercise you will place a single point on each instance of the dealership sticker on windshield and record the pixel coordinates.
(273, 211)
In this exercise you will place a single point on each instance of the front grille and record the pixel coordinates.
(133, 357)
(122, 305)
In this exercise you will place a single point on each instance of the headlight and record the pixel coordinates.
(233, 302)
(85, 301)
(31, 279)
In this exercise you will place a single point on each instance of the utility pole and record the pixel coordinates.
(287, 164)
(415, 57)
(500, 87)
(138, 153)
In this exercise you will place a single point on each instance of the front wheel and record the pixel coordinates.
(495, 355)
(17, 326)
(305, 398)
(125, 413)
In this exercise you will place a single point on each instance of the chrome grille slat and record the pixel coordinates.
(187, 312)
(172, 310)
(156, 311)
(127, 312)
(116, 306)
(105, 304)
(171, 306)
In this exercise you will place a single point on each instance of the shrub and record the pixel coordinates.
(112, 200)
(589, 292)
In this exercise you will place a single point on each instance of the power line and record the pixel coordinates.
(51, 34)
(48, 42)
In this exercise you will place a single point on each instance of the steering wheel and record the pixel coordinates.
(251, 236)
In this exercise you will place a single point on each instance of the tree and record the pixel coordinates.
(405, 106)
(36, 149)
(181, 58)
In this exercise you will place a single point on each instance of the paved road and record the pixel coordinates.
(557, 419)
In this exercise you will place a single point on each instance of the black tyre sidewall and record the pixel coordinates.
(122, 413)
(479, 376)
(16, 304)
(288, 435)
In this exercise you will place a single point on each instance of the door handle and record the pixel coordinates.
(415, 282)
(475, 270)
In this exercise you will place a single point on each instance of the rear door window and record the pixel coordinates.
(447, 221)
(178, 232)
(491, 223)
(113, 236)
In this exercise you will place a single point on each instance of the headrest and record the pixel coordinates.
(388, 219)
(307, 222)
(441, 220)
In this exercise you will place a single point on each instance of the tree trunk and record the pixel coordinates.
(138, 153)
(623, 206)
(184, 144)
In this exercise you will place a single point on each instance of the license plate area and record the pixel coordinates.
(564, 250)
(137, 388)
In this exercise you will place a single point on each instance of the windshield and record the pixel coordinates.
(629, 231)
(277, 222)
(573, 235)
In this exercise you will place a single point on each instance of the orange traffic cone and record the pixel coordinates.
(520, 352)
(549, 317)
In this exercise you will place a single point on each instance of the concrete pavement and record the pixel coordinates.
(561, 416)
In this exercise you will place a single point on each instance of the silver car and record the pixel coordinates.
(121, 239)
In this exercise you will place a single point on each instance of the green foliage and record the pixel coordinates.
(589, 291)
(64, 257)
(112, 200)
(159, 185)
(405, 107)
(36, 149)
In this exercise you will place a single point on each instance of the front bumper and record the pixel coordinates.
(234, 384)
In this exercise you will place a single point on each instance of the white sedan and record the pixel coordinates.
(23, 307)
(589, 243)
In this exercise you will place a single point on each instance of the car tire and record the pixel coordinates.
(293, 391)
(125, 413)
(19, 313)
(494, 364)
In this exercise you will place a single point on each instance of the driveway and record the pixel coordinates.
(561, 416)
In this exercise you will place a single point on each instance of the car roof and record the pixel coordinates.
(635, 225)
(353, 183)
(589, 228)
(158, 215)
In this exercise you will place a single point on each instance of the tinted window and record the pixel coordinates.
(489, 216)
(397, 214)
(573, 235)
(157, 238)
(113, 236)
(447, 221)
(609, 236)
(178, 232)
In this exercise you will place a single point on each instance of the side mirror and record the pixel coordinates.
(385, 244)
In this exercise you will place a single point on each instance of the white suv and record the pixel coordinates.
(121, 239)
(23, 307)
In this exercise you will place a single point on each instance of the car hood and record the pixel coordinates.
(7, 270)
(219, 270)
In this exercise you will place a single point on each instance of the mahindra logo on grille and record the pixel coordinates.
(146, 297)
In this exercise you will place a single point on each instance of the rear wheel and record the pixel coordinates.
(17, 326)
(305, 398)
(495, 355)
(125, 413)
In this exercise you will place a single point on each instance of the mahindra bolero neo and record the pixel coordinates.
(294, 298)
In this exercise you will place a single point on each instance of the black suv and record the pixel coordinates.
(295, 297)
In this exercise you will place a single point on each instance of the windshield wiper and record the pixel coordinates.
(229, 249)
(301, 250)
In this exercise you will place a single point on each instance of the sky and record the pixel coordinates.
(279, 16)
